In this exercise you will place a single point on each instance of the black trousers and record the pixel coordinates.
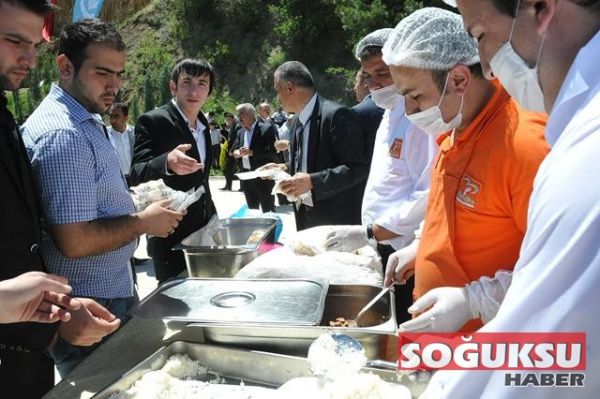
(229, 171)
(258, 194)
(216, 152)
(168, 263)
(402, 293)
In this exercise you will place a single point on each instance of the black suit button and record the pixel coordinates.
(34, 247)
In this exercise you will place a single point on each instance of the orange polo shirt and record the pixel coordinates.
(477, 208)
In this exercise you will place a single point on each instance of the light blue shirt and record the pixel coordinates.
(79, 179)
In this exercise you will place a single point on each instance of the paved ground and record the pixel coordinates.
(227, 203)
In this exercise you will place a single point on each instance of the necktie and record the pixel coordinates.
(298, 135)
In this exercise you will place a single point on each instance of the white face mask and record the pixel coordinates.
(431, 121)
(386, 97)
(520, 81)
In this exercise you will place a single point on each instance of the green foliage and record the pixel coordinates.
(246, 40)
(18, 104)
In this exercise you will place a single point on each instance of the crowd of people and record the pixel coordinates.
(467, 163)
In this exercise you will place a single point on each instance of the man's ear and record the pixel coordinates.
(66, 70)
(289, 87)
(544, 11)
(459, 79)
(172, 87)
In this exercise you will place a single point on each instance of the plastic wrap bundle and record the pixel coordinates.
(304, 256)
(156, 190)
(310, 242)
(278, 175)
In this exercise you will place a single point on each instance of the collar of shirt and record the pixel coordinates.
(76, 110)
(308, 109)
(199, 126)
(251, 130)
(114, 131)
(582, 76)
(474, 128)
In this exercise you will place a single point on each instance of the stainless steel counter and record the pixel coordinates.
(134, 342)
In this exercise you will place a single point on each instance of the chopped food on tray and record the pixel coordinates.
(342, 322)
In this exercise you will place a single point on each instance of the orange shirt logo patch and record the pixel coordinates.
(396, 149)
(468, 191)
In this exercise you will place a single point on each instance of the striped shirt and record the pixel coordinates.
(79, 179)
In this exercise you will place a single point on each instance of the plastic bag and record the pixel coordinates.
(156, 190)
(336, 267)
(309, 242)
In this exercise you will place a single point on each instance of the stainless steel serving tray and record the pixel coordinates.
(248, 302)
(341, 301)
(231, 252)
(232, 232)
(253, 367)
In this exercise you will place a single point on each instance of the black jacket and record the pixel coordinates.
(262, 144)
(336, 164)
(22, 374)
(369, 117)
(156, 134)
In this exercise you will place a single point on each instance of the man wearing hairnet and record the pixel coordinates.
(396, 192)
(546, 53)
(490, 151)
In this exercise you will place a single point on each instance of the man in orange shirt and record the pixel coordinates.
(490, 151)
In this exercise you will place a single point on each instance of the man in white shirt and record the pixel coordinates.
(396, 193)
(555, 283)
(121, 136)
(254, 146)
(215, 142)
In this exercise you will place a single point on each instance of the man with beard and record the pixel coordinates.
(90, 226)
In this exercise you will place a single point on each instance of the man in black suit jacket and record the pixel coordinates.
(173, 143)
(369, 117)
(327, 156)
(254, 147)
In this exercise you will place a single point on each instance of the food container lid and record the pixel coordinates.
(233, 301)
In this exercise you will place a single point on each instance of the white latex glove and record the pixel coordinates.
(401, 264)
(346, 239)
(449, 310)
(486, 294)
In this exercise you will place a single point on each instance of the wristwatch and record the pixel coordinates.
(371, 237)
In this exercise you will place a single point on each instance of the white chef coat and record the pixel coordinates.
(396, 193)
(556, 282)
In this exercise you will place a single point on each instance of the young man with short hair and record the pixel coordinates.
(121, 136)
(173, 143)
